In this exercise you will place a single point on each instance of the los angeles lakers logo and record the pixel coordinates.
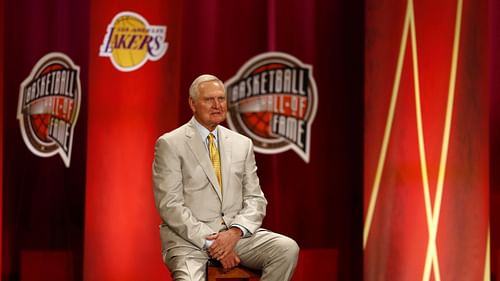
(273, 100)
(130, 41)
(48, 107)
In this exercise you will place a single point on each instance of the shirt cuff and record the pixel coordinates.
(207, 244)
(244, 230)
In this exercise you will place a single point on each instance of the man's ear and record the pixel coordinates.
(191, 103)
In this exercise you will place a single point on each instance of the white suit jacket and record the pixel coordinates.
(187, 192)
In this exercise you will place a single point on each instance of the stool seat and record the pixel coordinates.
(215, 272)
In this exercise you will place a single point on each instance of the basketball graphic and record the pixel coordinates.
(128, 57)
(48, 107)
(273, 100)
(40, 125)
(258, 122)
(40, 116)
(130, 41)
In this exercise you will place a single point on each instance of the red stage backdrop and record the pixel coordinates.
(424, 66)
(317, 203)
(43, 199)
(93, 218)
(426, 214)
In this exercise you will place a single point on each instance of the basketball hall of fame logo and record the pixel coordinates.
(48, 107)
(130, 41)
(273, 100)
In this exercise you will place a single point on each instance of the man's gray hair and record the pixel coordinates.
(194, 89)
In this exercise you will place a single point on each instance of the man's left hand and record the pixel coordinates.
(224, 243)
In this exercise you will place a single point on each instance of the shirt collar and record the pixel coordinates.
(204, 131)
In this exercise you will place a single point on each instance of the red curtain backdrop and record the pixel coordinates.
(426, 141)
(42, 200)
(403, 121)
(96, 220)
(317, 203)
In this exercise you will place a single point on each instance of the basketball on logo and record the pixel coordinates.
(258, 122)
(130, 41)
(40, 120)
(129, 57)
(273, 100)
(40, 124)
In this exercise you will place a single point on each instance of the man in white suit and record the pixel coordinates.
(207, 214)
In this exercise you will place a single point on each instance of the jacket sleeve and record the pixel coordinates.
(254, 202)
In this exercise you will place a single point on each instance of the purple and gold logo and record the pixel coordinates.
(273, 100)
(48, 107)
(130, 41)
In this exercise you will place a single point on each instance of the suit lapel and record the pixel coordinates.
(225, 149)
(200, 153)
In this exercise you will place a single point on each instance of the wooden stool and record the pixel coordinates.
(215, 272)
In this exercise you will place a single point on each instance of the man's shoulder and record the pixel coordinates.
(233, 134)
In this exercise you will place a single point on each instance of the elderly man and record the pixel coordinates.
(208, 195)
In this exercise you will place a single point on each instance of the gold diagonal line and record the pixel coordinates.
(423, 161)
(448, 121)
(387, 132)
(418, 113)
(486, 275)
(449, 114)
(431, 251)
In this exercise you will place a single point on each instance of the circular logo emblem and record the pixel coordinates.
(273, 100)
(48, 107)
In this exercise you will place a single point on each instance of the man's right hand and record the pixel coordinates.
(230, 261)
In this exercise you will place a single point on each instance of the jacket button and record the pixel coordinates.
(222, 214)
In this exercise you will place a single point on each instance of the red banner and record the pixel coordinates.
(133, 98)
(426, 141)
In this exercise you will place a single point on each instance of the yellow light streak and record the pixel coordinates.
(431, 251)
(486, 275)
(387, 132)
(431, 258)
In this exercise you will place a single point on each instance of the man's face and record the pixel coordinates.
(210, 107)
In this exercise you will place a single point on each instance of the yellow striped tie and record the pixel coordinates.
(214, 157)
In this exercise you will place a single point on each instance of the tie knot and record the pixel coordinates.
(211, 137)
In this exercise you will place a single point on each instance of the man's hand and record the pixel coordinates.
(230, 261)
(224, 243)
